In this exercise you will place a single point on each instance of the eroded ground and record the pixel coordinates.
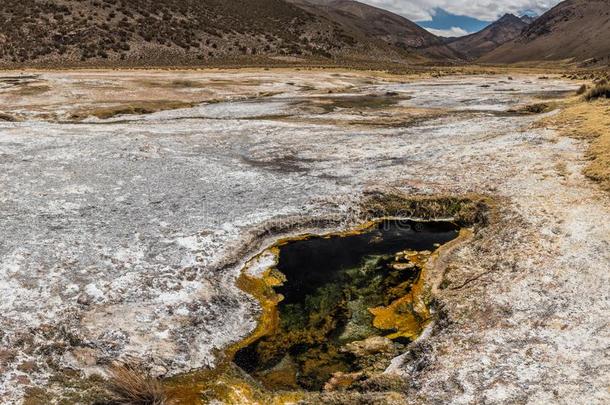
(131, 200)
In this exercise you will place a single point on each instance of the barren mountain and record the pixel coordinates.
(373, 22)
(528, 19)
(475, 45)
(157, 32)
(573, 31)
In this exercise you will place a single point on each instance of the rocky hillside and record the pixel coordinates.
(389, 28)
(574, 31)
(170, 32)
(475, 45)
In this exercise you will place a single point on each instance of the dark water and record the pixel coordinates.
(332, 282)
(310, 263)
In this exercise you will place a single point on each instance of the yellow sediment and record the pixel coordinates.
(223, 383)
(408, 315)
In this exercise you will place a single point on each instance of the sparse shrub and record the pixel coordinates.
(130, 385)
(7, 117)
(104, 29)
(599, 91)
(538, 108)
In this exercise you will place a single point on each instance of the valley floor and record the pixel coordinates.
(131, 200)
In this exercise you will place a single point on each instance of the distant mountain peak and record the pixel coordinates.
(528, 19)
(508, 16)
(571, 31)
(472, 46)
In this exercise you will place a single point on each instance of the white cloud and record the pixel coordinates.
(453, 32)
(486, 10)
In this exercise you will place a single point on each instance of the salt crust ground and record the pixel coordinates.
(115, 235)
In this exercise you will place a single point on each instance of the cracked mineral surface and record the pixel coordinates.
(121, 237)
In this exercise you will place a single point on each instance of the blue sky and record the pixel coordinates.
(448, 24)
(460, 17)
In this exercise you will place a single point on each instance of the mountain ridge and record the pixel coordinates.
(382, 25)
(574, 31)
(141, 33)
(478, 44)
(177, 32)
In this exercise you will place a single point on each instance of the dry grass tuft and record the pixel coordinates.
(465, 210)
(135, 108)
(536, 108)
(7, 117)
(590, 121)
(602, 81)
(599, 91)
(32, 90)
(178, 84)
(130, 385)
